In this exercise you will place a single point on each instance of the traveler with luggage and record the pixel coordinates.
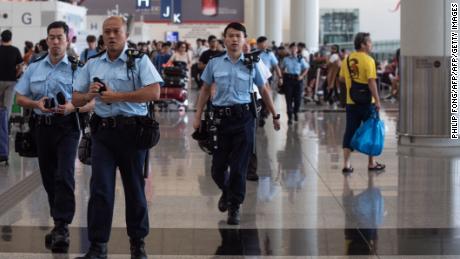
(358, 71)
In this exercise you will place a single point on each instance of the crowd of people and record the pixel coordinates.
(320, 84)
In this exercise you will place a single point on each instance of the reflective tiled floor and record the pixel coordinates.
(302, 206)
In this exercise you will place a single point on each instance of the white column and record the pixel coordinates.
(259, 18)
(311, 24)
(274, 20)
(305, 22)
(425, 68)
(297, 17)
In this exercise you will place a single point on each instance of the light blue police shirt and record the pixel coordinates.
(233, 84)
(269, 59)
(42, 78)
(294, 65)
(115, 75)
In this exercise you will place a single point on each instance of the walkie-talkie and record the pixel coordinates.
(49, 103)
(60, 98)
(103, 88)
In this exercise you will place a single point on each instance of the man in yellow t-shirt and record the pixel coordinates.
(360, 67)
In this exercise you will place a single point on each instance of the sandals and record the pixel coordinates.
(347, 170)
(377, 167)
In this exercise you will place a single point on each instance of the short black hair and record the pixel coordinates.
(211, 38)
(292, 45)
(91, 38)
(43, 44)
(301, 45)
(167, 44)
(337, 47)
(361, 38)
(261, 39)
(57, 25)
(236, 26)
(6, 35)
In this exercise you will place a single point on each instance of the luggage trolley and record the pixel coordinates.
(174, 90)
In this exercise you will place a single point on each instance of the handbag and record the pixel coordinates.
(359, 93)
(148, 129)
(369, 138)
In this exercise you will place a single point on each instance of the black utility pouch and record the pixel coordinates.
(360, 93)
(147, 132)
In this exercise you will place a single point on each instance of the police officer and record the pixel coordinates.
(271, 62)
(231, 107)
(268, 57)
(294, 70)
(121, 95)
(46, 82)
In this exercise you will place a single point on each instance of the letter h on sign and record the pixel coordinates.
(143, 4)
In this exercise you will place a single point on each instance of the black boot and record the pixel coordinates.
(96, 251)
(233, 215)
(223, 204)
(137, 248)
(289, 118)
(58, 239)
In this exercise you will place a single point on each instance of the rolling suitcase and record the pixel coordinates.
(4, 136)
(171, 93)
(174, 82)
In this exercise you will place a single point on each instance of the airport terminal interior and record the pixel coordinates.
(302, 205)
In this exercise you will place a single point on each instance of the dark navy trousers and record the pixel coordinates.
(112, 148)
(293, 94)
(57, 149)
(235, 140)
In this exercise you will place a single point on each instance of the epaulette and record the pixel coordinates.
(40, 58)
(97, 55)
(75, 62)
(132, 55)
(219, 55)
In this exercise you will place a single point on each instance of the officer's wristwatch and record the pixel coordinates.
(277, 117)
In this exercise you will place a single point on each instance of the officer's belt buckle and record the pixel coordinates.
(228, 111)
(109, 123)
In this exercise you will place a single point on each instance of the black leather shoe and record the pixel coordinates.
(223, 204)
(137, 249)
(233, 216)
(96, 251)
(49, 239)
(60, 239)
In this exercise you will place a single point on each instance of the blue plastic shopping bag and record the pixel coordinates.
(369, 138)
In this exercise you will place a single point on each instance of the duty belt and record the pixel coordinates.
(53, 119)
(114, 122)
(231, 111)
(291, 76)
